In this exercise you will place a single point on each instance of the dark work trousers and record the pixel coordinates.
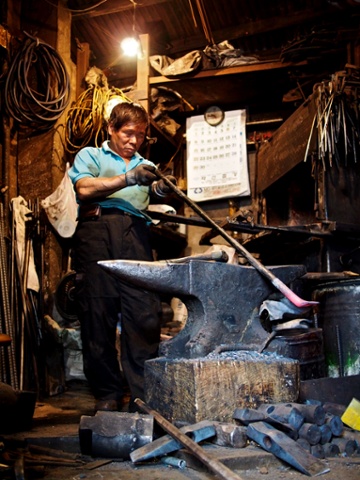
(103, 300)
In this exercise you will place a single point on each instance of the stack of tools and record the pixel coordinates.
(300, 433)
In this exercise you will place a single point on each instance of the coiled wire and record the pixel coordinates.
(37, 88)
(85, 123)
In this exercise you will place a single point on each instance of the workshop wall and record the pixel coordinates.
(40, 156)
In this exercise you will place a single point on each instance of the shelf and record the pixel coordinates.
(218, 72)
(158, 132)
(262, 83)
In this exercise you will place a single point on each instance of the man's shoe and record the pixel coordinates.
(133, 407)
(107, 406)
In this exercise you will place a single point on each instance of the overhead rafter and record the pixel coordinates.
(118, 6)
(249, 28)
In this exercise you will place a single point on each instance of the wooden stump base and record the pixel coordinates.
(211, 388)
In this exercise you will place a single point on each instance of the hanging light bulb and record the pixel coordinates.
(131, 45)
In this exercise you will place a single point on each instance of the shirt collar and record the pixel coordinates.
(106, 148)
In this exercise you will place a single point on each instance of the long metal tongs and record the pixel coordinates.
(284, 289)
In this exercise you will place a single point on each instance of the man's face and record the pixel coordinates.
(128, 139)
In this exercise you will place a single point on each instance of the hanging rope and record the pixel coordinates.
(37, 88)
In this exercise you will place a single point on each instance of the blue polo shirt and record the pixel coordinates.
(104, 162)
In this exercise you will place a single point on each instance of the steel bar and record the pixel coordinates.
(313, 230)
(2, 314)
(6, 302)
(276, 282)
(214, 465)
(25, 324)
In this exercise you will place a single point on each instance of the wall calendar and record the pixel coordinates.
(217, 165)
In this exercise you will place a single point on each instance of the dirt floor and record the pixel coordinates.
(50, 449)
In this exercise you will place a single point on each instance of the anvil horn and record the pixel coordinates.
(155, 276)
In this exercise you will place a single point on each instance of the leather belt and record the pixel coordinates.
(92, 212)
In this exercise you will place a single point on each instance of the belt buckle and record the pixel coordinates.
(90, 212)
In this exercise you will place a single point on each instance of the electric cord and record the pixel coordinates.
(37, 88)
(85, 123)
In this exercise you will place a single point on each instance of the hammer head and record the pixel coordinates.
(114, 434)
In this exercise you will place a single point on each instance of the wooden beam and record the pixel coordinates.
(117, 6)
(244, 30)
(287, 147)
(82, 66)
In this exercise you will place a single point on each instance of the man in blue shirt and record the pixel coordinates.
(113, 184)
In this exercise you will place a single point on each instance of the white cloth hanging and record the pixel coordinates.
(20, 214)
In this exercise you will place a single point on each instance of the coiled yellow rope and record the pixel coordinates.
(85, 123)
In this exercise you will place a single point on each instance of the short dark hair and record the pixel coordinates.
(126, 112)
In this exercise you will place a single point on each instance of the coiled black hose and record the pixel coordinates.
(37, 88)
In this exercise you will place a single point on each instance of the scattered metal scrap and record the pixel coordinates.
(298, 434)
(214, 465)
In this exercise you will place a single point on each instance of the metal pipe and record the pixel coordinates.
(174, 462)
(277, 283)
(6, 163)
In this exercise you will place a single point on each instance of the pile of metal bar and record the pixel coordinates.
(19, 308)
(336, 121)
(8, 367)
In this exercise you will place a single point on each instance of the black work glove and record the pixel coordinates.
(141, 175)
(161, 189)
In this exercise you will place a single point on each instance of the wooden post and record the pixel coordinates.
(82, 66)
(143, 70)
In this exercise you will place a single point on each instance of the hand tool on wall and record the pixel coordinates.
(276, 282)
(214, 465)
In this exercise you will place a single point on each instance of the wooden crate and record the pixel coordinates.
(211, 388)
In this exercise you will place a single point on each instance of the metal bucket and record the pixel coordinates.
(339, 317)
(307, 348)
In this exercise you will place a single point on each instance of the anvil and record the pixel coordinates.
(222, 300)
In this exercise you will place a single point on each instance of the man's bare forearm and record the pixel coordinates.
(88, 188)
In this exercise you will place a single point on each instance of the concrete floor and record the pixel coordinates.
(50, 449)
